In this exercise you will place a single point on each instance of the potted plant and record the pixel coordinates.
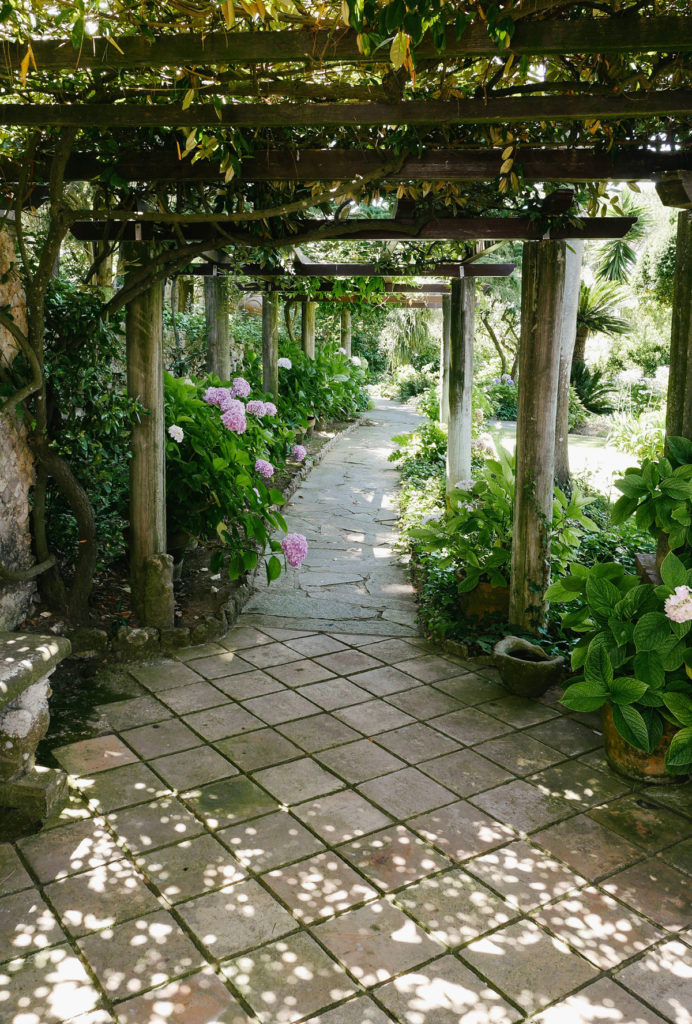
(526, 669)
(634, 658)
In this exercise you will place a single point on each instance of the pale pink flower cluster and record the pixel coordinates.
(269, 409)
(284, 363)
(234, 416)
(176, 432)
(679, 605)
(299, 452)
(264, 468)
(240, 388)
(295, 548)
(255, 407)
(216, 396)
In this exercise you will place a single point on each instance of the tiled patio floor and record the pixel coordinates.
(337, 824)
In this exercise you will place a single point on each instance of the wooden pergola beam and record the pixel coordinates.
(625, 34)
(670, 102)
(356, 270)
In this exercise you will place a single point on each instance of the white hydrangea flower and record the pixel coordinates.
(176, 432)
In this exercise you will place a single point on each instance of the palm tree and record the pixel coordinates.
(596, 315)
(617, 257)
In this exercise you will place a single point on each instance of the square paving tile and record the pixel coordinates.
(241, 637)
(270, 841)
(318, 732)
(277, 708)
(393, 857)
(270, 655)
(230, 800)
(320, 887)
(69, 849)
(161, 738)
(194, 767)
(235, 918)
(655, 889)
(26, 925)
(335, 693)
(101, 897)
(191, 654)
(218, 723)
(191, 868)
(520, 754)
(121, 787)
(348, 662)
(385, 680)
(663, 978)
(641, 821)
(193, 697)
(198, 999)
(373, 717)
(50, 987)
(523, 806)
(304, 779)
(287, 980)
(406, 792)
(164, 676)
(579, 784)
(461, 830)
(159, 823)
(360, 761)
(312, 646)
(565, 735)
(603, 931)
(300, 673)
(454, 907)
(282, 634)
(225, 663)
(528, 965)
(519, 711)
(680, 856)
(341, 816)
(376, 942)
(416, 743)
(248, 684)
(470, 725)
(678, 798)
(126, 714)
(392, 651)
(601, 1003)
(465, 772)
(424, 702)
(356, 1011)
(13, 876)
(470, 688)
(258, 749)
(94, 755)
(524, 875)
(589, 848)
(140, 954)
(445, 992)
(429, 668)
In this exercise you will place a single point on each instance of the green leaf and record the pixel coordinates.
(652, 630)
(584, 696)
(648, 666)
(631, 726)
(679, 754)
(680, 449)
(622, 509)
(597, 667)
(273, 569)
(632, 485)
(673, 572)
(276, 497)
(250, 560)
(625, 690)
(579, 654)
(680, 705)
(673, 654)
(622, 631)
(557, 592)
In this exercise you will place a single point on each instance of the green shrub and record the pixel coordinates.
(502, 396)
(593, 389)
(642, 436)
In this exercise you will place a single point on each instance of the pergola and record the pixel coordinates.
(508, 98)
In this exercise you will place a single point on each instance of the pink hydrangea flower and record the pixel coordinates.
(284, 363)
(299, 452)
(679, 605)
(264, 468)
(215, 396)
(269, 409)
(295, 548)
(240, 388)
(234, 416)
(255, 407)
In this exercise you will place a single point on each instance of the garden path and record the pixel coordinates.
(320, 818)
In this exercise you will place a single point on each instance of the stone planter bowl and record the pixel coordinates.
(526, 670)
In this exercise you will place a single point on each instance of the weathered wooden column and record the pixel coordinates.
(573, 259)
(307, 327)
(270, 343)
(462, 311)
(542, 297)
(679, 413)
(346, 329)
(186, 293)
(444, 357)
(218, 340)
(151, 569)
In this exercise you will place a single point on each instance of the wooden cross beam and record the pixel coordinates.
(676, 189)
(623, 34)
(459, 269)
(324, 288)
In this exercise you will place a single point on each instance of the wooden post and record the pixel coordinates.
(218, 340)
(679, 413)
(151, 569)
(307, 328)
(444, 357)
(573, 258)
(542, 297)
(270, 343)
(462, 310)
(346, 330)
(186, 293)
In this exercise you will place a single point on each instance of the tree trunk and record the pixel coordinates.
(307, 332)
(270, 343)
(152, 599)
(444, 357)
(543, 286)
(462, 309)
(573, 258)
(346, 330)
(218, 340)
(186, 291)
(580, 344)
(679, 413)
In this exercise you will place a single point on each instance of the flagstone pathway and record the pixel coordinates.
(320, 818)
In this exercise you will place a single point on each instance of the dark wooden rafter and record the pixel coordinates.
(624, 34)
(670, 102)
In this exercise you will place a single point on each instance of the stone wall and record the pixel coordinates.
(16, 463)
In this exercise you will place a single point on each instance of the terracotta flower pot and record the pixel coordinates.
(627, 760)
(484, 600)
(525, 668)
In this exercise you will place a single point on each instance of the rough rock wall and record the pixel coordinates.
(16, 462)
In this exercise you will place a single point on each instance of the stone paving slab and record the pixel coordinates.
(322, 819)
